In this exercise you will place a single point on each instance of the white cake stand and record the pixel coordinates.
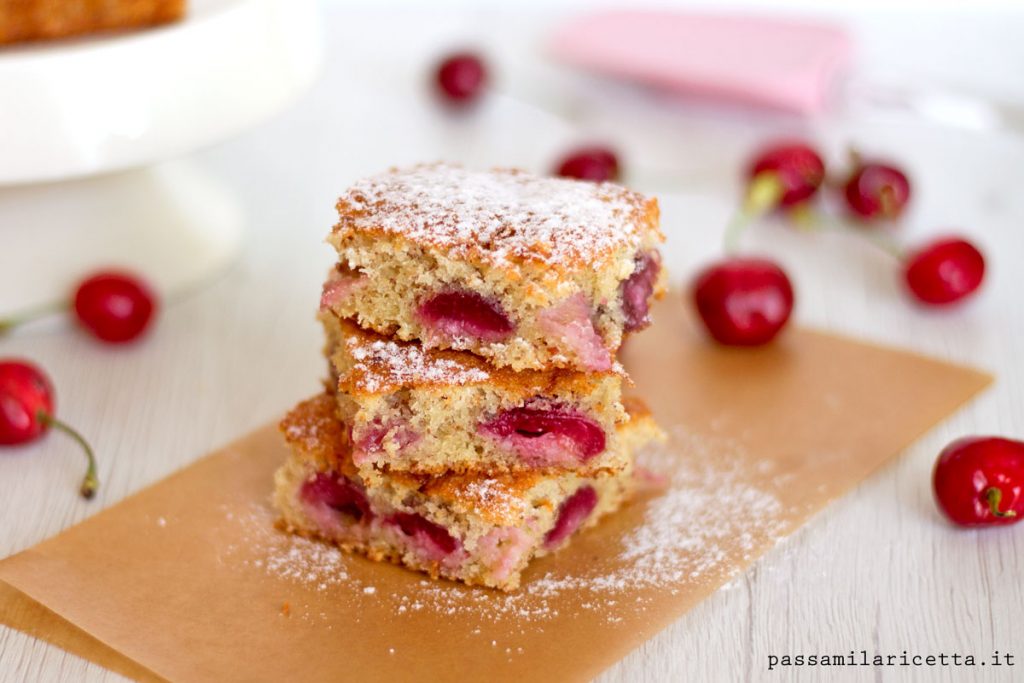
(87, 127)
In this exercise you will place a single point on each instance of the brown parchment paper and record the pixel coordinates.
(188, 581)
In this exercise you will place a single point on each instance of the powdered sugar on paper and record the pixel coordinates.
(707, 524)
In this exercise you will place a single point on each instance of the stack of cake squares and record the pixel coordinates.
(474, 418)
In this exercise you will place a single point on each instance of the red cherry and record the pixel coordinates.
(27, 412)
(456, 314)
(743, 301)
(979, 481)
(875, 191)
(25, 394)
(548, 436)
(461, 77)
(944, 271)
(114, 306)
(590, 163)
(795, 169)
(434, 538)
(338, 493)
(636, 291)
(572, 513)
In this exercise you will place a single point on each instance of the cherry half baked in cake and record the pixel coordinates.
(547, 436)
(529, 272)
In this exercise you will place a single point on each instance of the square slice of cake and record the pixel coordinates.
(526, 271)
(425, 411)
(468, 527)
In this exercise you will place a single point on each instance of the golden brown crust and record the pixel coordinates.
(635, 407)
(501, 218)
(313, 429)
(25, 20)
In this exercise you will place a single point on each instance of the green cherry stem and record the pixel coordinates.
(10, 322)
(90, 483)
(763, 195)
(879, 241)
(887, 245)
(994, 496)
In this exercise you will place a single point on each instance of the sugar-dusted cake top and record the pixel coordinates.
(374, 364)
(381, 365)
(499, 217)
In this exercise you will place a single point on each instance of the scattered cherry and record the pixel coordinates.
(27, 412)
(599, 164)
(461, 77)
(791, 172)
(944, 271)
(979, 481)
(114, 306)
(743, 301)
(876, 191)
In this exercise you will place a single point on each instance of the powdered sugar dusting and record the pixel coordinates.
(381, 364)
(699, 533)
(492, 495)
(500, 217)
(691, 535)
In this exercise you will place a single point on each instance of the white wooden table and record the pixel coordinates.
(879, 570)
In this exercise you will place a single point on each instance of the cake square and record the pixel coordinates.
(529, 272)
(429, 411)
(470, 527)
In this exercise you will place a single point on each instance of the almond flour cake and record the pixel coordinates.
(469, 527)
(526, 271)
(430, 411)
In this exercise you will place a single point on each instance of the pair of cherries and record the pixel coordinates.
(746, 301)
(113, 306)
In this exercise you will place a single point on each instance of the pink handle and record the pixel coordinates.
(755, 61)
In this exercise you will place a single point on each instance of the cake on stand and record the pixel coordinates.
(94, 134)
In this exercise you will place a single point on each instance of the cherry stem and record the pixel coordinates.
(763, 195)
(91, 482)
(887, 198)
(882, 242)
(856, 159)
(885, 244)
(10, 322)
(994, 496)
